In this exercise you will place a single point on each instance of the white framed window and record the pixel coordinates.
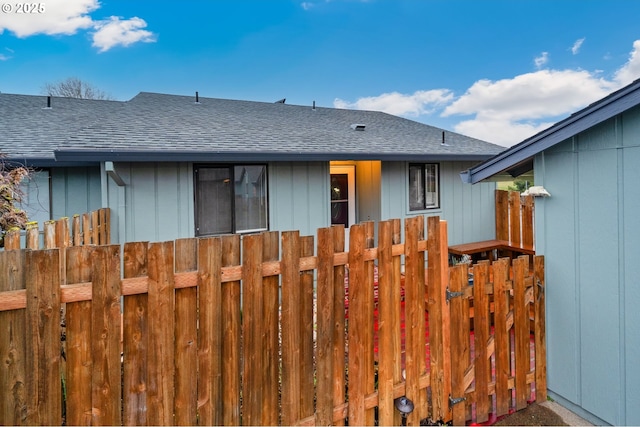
(231, 199)
(424, 186)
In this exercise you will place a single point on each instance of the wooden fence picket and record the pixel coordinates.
(78, 339)
(231, 330)
(135, 337)
(186, 336)
(339, 331)
(271, 338)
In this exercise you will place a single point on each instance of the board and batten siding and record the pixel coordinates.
(155, 204)
(588, 231)
(299, 196)
(468, 209)
(74, 190)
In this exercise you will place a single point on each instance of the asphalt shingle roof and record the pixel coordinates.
(159, 127)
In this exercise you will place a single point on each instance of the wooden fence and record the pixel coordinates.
(253, 331)
(91, 228)
(514, 217)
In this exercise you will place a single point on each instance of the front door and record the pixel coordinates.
(343, 197)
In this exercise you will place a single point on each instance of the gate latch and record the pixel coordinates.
(451, 295)
(455, 400)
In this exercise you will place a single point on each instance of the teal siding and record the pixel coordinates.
(588, 231)
(468, 210)
(156, 204)
(74, 190)
(299, 196)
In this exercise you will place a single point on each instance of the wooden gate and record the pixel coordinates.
(497, 338)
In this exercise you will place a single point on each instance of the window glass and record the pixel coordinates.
(251, 197)
(231, 199)
(423, 186)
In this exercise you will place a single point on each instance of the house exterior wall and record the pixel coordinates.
(469, 210)
(299, 196)
(588, 231)
(74, 190)
(156, 203)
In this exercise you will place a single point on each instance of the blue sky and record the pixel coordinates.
(495, 70)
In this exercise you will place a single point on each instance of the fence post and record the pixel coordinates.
(439, 318)
(540, 329)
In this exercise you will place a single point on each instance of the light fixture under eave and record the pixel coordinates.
(536, 191)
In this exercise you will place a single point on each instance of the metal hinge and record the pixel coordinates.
(451, 295)
(455, 400)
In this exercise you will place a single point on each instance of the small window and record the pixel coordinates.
(231, 199)
(424, 185)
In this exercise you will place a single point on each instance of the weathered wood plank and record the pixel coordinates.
(325, 340)
(521, 328)
(502, 214)
(271, 325)
(388, 324)
(481, 339)
(357, 323)
(501, 335)
(160, 357)
(291, 328)
(13, 392)
(439, 318)
(210, 331)
(460, 351)
(339, 331)
(540, 329)
(135, 337)
(231, 331)
(368, 330)
(78, 330)
(514, 217)
(186, 337)
(252, 317)
(415, 365)
(306, 345)
(44, 396)
(105, 336)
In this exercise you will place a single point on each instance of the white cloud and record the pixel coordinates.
(576, 46)
(58, 17)
(416, 104)
(3, 57)
(631, 70)
(510, 110)
(524, 105)
(67, 17)
(125, 32)
(541, 60)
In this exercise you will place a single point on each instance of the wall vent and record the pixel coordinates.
(358, 126)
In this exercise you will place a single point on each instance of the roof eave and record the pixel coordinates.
(67, 155)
